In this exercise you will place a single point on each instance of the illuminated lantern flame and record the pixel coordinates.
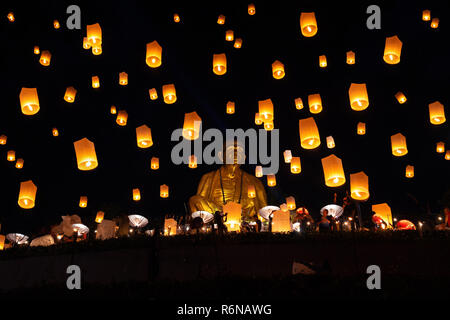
(409, 171)
(122, 118)
(271, 180)
(99, 217)
(86, 44)
(85, 153)
(290, 202)
(447, 155)
(136, 194)
(19, 163)
(361, 128)
(322, 61)
(251, 9)
(251, 191)
(191, 126)
(123, 78)
(258, 171)
(315, 103)
(437, 113)
(97, 49)
(278, 70)
(268, 125)
(154, 163)
(11, 17)
(27, 194)
(384, 212)
(29, 101)
(220, 64)
(70, 94)
(55, 132)
(401, 98)
(164, 191)
(169, 93)
(359, 186)
(238, 43)
(287, 156)
(11, 156)
(192, 161)
(351, 59)
(113, 110)
(308, 24)
(426, 15)
(266, 109)
(153, 57)
(434, 23)
(309, 134)
(296, 166)
(36, 50)
(94, 34)
(176, 17)
(230, 107)
(144, 136)
(398, 143)
(392, 50)
(56, 24)
(170, 227)
(229, 35)
(153, 94)
(330, 142)
(3, 139)
(258, 119)
(95, 82)
(333, 171)
(440, 147)
(299, 103)
(83, 202)
(357, 94)
(221, 19)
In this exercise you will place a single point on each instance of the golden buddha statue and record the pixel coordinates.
(229, 184)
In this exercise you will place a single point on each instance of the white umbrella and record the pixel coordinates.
(137, 221)
(17, 238)
(333, 210)
(81, 229)
(205, 215)
(267, 210)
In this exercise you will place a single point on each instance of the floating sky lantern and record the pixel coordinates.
(409, 172)
(434, 23)
(113, 110)
(19, 163)
(258, 119)
(309, 134)
(154, 163)
(392, 50)
(153, 57)
(401, 98)
(55, 132)
(94, 34)
(83, 202)
(99, 217)
(298, 103)
(437, 113)
(278, 70)
(384, 212)
(3, 139)
(268, 125)
(238, 43)
(86, 44)
(85, 153)
(398, 143)
(266, 109)
(287, 156)
(361, 128)
(11, 17)
(357, 94)
(122, 118)
(251, 191)
(11, 156)
(176, 18)
(251, 9)
(97, 49)
(164, 191)
(221, 19)
(281, 221)
(290, 202)
(440, 147)
(123, 78)
(191, 126)
(351, 59)
(70, 94)
(169, 93)
(333, 171)
(95, 82)
(219, 64)
(192, 161)
(229, 35)
(359, 186)
(27, 195)
(330, 142)
(230, 107)
(296, 166)
(447, 155)
(144, 136)
(153, 94)
(308, 24)
(36, 50)
(271, 180)
(29, 101)
(56, 24)
(426, 15)
(258, 171)
(323, 61)
(136, 194)
(315, 103)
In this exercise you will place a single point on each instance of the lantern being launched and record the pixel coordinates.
(437, 113)
(392, 50)
(266, 109)
(357, 94)
(27, 194)
(144, 136)
(333, 171)
(315, 103)
(191, 126)
(384, 212)
(29, 101)
(398, 143)
(85, 153)
(308, 24)
(309, 134)
(169, 93)
(278, 70)
(359, 186)
(70, 94)
(281, 221)
(153, 57)
(220, 64)
(94, 34)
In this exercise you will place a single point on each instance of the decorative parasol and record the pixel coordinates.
(137, 221)
(333, 210)
(80, 228)
(206, 216)
(17, 238)
(267, 210)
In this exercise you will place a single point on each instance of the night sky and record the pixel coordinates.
(272, 34)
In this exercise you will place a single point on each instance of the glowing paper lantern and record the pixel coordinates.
(361, 128)
(19, 163)
(191, 126)
(136, 194)
(357, 94)
(56, 24)
(221, 19)
(153, 57)
(229, 35)
(440, 147)
(29, 101)
(251, 191)
(426, 15)
(169, 93)
(70, 94)
(330, 142)
(83, 202)
(409, 172)
(123, 78)
(36, 50)
(258, 171)
(95, 82)
(2, 242)
(296, 166)
(97, 49)
(122, 118)
(333, 171)
(219, 64)
(234, 213)
(192, 161)
(230, 107)
(290, 202)
(359, 186)
(164, 191)
(309, 134)
(258, 119)
(3, 139)
(113, 110)
(85, 153)
(447, 155)
(27, 194)
(153, 94)
(170, 227)
(308, 24)
(268, 125)
(278, 70)
(437, 113)
(434, 23)
(392, 50)
(251, 9)
(266, 109)
(94, 33)
(398, 143)
(55, 132)
(99, 217)
(144, 136)
(322, 61)
(176, 17)
(45, 58)
(281, 221)
(154, 163)
(86, 44)
(238, 43)
(384, 211)
(351, 57)
(299, 103)
(271, 180)
(11, 17)
(315, 103)
(11, 156)
(401, 98)
(287, 156)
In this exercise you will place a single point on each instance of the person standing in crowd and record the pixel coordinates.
(350, 211)
(324, 223)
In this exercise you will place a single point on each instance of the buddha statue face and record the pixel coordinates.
(234, 155)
